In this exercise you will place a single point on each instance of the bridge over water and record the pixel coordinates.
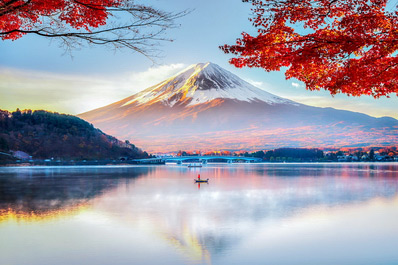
(197, 159)
(205, 159)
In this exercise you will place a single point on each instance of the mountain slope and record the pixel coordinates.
(206, 107)
(45, 134)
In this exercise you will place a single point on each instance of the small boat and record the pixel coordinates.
(195, 165)
(201, 180)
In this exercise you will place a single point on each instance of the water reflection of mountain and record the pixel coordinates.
(209, 222)
(40, 190)
(204, 225)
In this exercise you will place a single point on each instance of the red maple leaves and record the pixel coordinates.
(344, 46)
(114, 23)
(17, 16)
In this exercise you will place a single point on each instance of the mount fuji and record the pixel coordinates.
(205, 107)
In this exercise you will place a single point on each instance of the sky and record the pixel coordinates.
(35, 73)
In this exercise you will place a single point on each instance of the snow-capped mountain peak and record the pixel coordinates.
(206, 107)
(202, 83)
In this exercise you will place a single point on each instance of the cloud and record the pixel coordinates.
(294, 84)
(263, 85)
(368, 105)
(258, 84)
(152, 76)
(74, 93)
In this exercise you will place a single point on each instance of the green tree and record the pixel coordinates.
(372, 155)
(3, 144)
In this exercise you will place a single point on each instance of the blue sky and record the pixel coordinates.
(36, 73)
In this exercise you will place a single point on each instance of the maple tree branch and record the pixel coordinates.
(139, 9)
(139, 43)
(344, 46)
(6, 4)
(329, 8)
(385, 69)
(7, 7)
(139, 30)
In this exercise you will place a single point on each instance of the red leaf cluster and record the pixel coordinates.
(344, 46)
(16, 15)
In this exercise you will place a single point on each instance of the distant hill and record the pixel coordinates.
(44, 134)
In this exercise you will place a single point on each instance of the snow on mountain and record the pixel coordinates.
(205, 107)
(202, 83)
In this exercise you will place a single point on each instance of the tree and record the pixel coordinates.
(258, 154)
(3, 144)
(372, 154)
(46, 134)
(116, 23)
(344, 46)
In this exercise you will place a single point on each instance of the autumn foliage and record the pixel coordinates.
(17, 17)
(119, 23)
(344, 46)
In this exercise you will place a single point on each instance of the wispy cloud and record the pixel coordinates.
(74, 93)
(153, 75)
(263, 85)
(294, 84)
(255, 83)
(368, 105)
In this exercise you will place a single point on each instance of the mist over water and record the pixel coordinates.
(246, 214)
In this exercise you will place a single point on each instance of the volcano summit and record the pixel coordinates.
(206, 107)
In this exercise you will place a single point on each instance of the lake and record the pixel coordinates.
(246, 214)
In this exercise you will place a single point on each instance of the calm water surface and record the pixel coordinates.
(247, 214)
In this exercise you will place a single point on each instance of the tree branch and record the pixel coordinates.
(140, 29)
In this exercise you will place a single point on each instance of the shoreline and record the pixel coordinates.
(88, 164)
